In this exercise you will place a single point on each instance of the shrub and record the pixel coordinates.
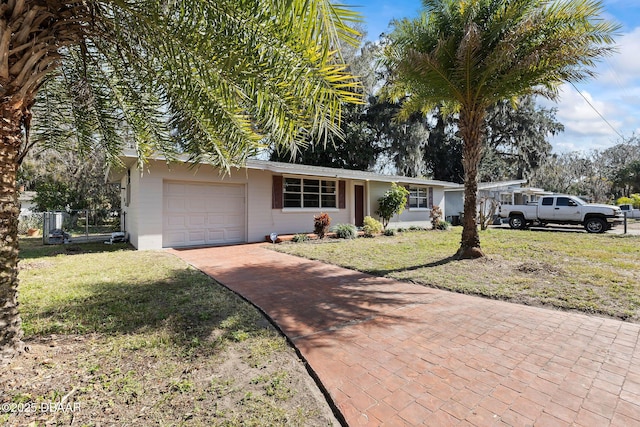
(321, 224)
(389, 232)
(436, 215)
(624, 201)
(442, 225)
(634, 200)
(346, 231)
(299, 238)
(392, 203)
(371, 226)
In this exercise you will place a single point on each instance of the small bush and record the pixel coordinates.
(299, 238)
(371, 226)
(436, 215)
(321, 224)
(346, 231)
(392, 203)
(442, 225)
(389, 232)
(634, 200)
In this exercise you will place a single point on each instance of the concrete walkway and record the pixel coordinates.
(392, 353)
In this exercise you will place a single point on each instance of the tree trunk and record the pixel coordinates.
(472, 131)
(10, 323)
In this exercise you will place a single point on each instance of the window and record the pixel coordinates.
(565, 201)
(505, 198)
(309, 193)
(547, 201)
(419, 198)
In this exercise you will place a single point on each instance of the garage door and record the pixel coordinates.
(203, 214)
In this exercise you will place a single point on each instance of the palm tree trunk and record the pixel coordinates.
(10, 323)
(472, 131)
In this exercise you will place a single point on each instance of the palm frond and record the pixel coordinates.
(480, 52)
(210, 78)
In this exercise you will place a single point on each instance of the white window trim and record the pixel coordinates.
(311, 209)
(425, 197)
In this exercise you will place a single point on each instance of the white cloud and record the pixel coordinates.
(584, 128)
(614, 93)
(623, 67)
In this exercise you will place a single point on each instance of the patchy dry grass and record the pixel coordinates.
(121, 337)
(597, 274)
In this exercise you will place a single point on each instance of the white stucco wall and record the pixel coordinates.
(143, 219)
(454, 203)
(144, 215)
(409, 217)
(131, 211)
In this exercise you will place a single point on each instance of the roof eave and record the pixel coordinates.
(129, 157)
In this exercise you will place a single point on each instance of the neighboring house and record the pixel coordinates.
(181, 205)
(27, 205)
(523, 195)
(504, 192)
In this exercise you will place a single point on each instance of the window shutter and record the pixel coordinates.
(406, 205)
(342, 196)
(128, 194)
(430, 197)
(276, 194)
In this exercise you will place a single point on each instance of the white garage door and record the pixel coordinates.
(203, 214)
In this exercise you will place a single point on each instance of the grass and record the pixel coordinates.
(140, 338)
(596, 274)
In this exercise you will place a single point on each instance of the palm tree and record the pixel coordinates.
(213, 78)
(469, 54)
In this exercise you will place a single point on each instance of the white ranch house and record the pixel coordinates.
(181, 205)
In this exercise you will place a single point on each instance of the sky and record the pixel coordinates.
(614, 92)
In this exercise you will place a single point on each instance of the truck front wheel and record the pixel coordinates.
(595, 225)
(517, 221)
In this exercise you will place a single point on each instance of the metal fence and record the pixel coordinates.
(65, 227)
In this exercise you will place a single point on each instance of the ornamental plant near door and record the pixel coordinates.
(345, 231)
(321, 224)
(371, 226)
(392, 203)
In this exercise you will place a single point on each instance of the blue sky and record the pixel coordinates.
(614, 92)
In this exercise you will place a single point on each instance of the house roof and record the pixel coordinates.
(500, 184)
(129, 158)
(532, 190)
(26, 196)
(511, 185)
(297, 169)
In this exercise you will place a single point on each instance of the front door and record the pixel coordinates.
(359, 204)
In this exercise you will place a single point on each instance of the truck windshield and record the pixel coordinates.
(579, 201)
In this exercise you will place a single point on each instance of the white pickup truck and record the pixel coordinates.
(631, 212)
(563, 209)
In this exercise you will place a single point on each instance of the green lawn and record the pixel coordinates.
(141, 338)
(598, 274)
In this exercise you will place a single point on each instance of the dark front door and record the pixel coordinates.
(359, 204)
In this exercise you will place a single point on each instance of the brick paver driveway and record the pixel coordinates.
(395, 353)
